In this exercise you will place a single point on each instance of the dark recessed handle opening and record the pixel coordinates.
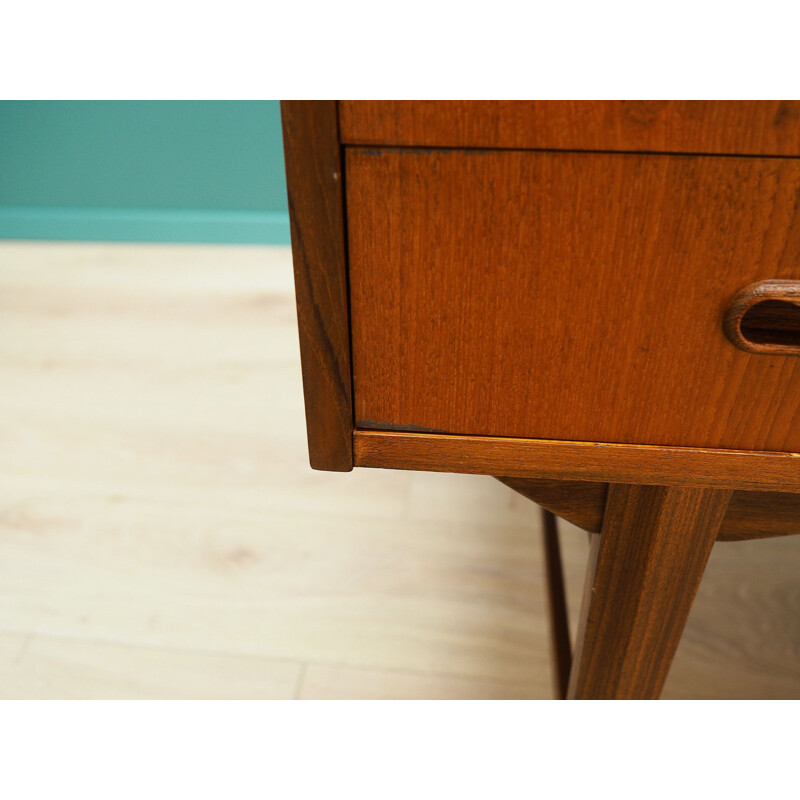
(765, 318)
(772, 322)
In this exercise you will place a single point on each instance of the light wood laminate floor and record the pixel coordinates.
(161, 534)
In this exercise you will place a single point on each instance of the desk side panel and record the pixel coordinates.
(314, 183)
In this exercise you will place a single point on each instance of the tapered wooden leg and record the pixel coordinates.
(644, 571)
(560, 647)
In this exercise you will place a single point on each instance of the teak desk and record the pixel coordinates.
(597, 302)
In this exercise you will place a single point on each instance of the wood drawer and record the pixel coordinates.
(566, 295)
(734, 127)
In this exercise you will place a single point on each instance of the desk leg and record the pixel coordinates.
(644, 571)
(560, 647)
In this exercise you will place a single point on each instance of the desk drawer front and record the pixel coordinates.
(569, 295)
(734, 127)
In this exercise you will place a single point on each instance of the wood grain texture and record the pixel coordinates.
(755, 127)
(644, 572)
(761, 515)
(342, 682)
(747, 615)
(158, 514)
(162, 535)
(569, 296)
(314, 184)
(55, 668)
(578, 502)
(750, 515)
(532, 458)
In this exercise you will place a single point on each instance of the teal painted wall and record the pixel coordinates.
(182, 171)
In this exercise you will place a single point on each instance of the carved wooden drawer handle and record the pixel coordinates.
(765, 318)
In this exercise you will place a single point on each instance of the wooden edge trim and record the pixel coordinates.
(314, 185)
(743, 301)
(589, 461)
